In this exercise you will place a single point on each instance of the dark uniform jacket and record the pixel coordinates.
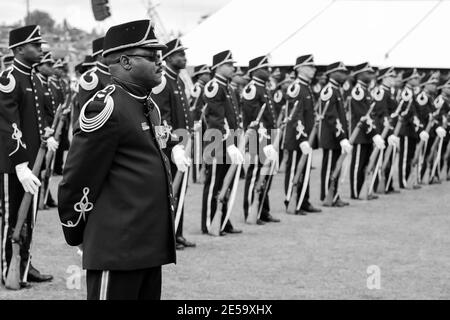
(24, 115)
(254, 96)
(383, 109)
(48, 95)
(279, 101)
(425, 108)
(220, 113)
(302, 122)
(118, 175)
(197, 101)
(90, 82)
(170, 96)
(411, 123)
(333, 128)
(360, 104)
(237, 104)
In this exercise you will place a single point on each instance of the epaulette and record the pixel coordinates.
(439, 102)
(7, 81)
(196, 91)
(358, 92)
(89, 80)
(211, 89)
(103, 101)
(160, 87)
(422, 99)
(293, 90)
(407, 94)
(278, 96)
(249, 92)
(326, 93)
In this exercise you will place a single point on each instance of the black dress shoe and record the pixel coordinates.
(25, 285)
(301, 212)
(179, 246)
(185, 243)
(339, 203)
(232, 230)
(222, 233)
(392, 191)
(269, 218)
(51, 203)
(35, 276)
(310, 208)
(260, 222)
(372, 197)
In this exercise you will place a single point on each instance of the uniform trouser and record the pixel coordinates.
(291, 170)
(406, 154)
(215, 174)
(360, 160)
(143, 284)
(11, 198)
(429, 144)
(329, 159)
(252, 179)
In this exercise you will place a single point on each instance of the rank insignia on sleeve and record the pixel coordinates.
(422, 99)
(211, 89)
(89, 80)
(7, 83)
(358, 93)
(293, 90)
(249, 92)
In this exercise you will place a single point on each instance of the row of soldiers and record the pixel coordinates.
(382, 117)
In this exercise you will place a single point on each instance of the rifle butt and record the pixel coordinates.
(13, 277)
(253, 212)
(214, 228)
(328, 202)
(293, 200)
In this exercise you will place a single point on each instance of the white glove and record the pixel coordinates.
(52, 144)
(424, 136)
(179, 158)
(197, 125)
(379, 142)
(305, 147)
(270, 152)
(235, 155)
(346, 146)
(441, 132)
(29, 181)
(394, 141)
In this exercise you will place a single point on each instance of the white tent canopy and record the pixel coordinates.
(396, 32)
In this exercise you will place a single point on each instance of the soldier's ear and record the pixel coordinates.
(125, 62)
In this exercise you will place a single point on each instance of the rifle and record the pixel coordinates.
(233, 172)
(57, 126)
(263, 184)
(13, 276)
(299, 176)
(382, 183)
(179, 201)
(328, 202)
(430, 165)
(444, 170)
(413, 178)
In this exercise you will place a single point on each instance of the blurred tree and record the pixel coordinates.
(41, 18)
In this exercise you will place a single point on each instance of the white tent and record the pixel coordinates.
(396, 32)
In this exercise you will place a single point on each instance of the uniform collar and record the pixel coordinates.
(221, 79)
(334, 83)
(303, 80)
(22, 67)
(171, 73)
(103, 68)
(136, 91)
(259, 82)
(362, 84)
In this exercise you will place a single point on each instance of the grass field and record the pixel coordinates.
(319, 256)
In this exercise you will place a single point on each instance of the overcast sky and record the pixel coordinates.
(175, 14)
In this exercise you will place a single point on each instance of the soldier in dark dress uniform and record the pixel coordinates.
(115, 199)
(24, 119)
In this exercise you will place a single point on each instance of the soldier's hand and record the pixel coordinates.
(235, 155)
(424, 136)
(29, 181)
(394, 141)
(305, 147)
(179, 158)
(253, 124)
(270, 152)
(379, 142)
(441, 132)
(346, 146)
(52, 144)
